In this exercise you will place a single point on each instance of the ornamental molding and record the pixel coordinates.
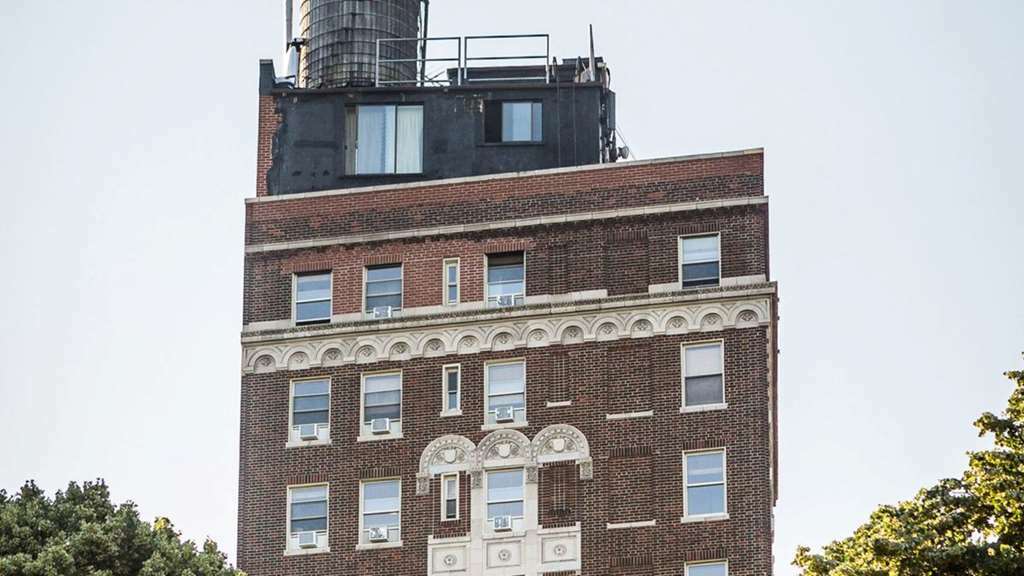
(600, 325)
(454, 453)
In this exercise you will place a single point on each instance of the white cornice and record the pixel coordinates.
(602, 321)
(507, 224)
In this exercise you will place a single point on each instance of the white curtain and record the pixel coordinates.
(410, 140)
(375, 146)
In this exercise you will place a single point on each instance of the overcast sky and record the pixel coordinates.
(893, 150)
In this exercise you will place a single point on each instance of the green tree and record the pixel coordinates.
(80, 532)
(973, 525)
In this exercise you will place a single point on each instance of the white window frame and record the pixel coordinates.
(516, 423)
(365, 434)
(323, 430)
(517, 521)
(679, 258)
(707, 562)
(724, 515)
(445, 284)
(296, 301)
(682, 377)
(445, 370)
(292, 549)
(401, 280)
(518, 298)
(363, 539)
(445, 496)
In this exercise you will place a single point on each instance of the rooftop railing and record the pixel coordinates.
(428, 74)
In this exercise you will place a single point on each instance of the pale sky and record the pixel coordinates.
(892, 135)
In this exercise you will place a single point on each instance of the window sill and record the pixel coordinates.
(505, 425)
(630, 415)
(490, 535)
(514, 143)
(306, 551)
(305, 443)
(379, 545)
(559, 404)
(449, 521)
(379, 437)
(447, 413)
(704, 518)
(703, 408)
(625, 525)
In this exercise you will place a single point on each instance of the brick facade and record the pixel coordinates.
(622, 393)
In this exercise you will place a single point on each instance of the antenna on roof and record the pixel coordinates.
(593, 69)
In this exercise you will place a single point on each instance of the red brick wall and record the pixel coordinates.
(622, 257)
(269, 122)
(598, 188)
(637, 460)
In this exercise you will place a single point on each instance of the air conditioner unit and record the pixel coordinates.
(377, 534)
(505, 300)
(381, 312)
(380, 425)
(504, 414)
(308, 540)
(502, 523)
(307, 432)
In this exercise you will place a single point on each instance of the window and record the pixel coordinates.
(385, 139)
(506, 392)
(452, 382)
(382, 404)
(705, 483)
(451, 281)
(313, 297)
(505, 496)
(450, 497)
(310, 409)
(381, 511)
(513, 122)
(506, 284)
(307, 517)
(700, 260)
(707, 569)
(702, 375)
(383, 289)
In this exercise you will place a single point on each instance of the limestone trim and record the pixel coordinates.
(501, 449)
(596, 323)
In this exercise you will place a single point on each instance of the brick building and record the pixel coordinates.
(455, 370)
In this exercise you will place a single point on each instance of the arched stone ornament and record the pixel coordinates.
(560, 442)
(449, 453)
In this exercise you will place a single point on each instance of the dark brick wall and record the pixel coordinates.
(622, 257)
(637, 463)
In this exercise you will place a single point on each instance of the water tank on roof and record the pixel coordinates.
(341, 41)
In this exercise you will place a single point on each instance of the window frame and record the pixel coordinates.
(518, 299)
(355, 138)
(515, 423)
(446, 496)
(445, 370)
(296, 301)
(680, 263)
(401, 279)
(684, 407)
(445, 284)
(724, 514)
(487, 496)
(363, 540)
(291, 412)
(501, 118)
(364, 429)
(705, 563)
(291, 549)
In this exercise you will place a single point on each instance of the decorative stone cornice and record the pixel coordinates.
(570, 324)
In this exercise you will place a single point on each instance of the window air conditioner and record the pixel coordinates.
(504, 414)
(380, 425)
(506, 300)
(307, 432)
(308, 540)
(502, 523)
(381, 312)
(378, 534)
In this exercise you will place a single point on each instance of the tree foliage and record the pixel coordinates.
(79, 532)
(973, 525)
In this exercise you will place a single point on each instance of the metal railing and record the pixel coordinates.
(462, 60)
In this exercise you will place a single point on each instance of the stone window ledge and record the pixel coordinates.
(305, 443)
(703, 408)
(704, 518)
(505, 425)
(379, 437)
(306, 551)
(379, 545)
